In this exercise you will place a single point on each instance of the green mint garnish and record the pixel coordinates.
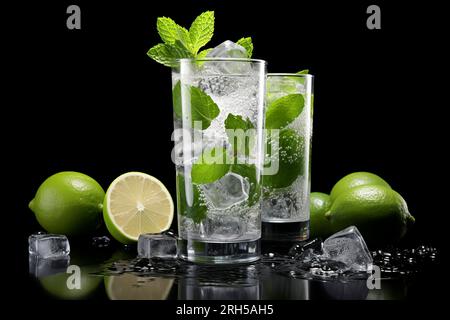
(179, 43)
(211, 166)
(247, 44)
(167, 54)
(284, 110)
(203, 107)
(305, 71)
(197, 211)
(301, 80)
(238, 134)
(202, 54)
(201, 30)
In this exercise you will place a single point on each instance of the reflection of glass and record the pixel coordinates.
(338, 290)
(206, 284)
(275, 287)
(285, 205)
(218, 120)
(41, 267)
(131, 287)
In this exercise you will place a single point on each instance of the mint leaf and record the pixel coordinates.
(167, 29)
(237, 122)
(211, 166)
(176, 99)
(203, 108)
(301, 80)
(239, 135)
(185, 40)
(284, 110)
(290, 153)
(247, 44)
(197, 210)
(201, 30)
(168, 54)
(202, 54)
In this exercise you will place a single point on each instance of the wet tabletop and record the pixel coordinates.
(111, 271)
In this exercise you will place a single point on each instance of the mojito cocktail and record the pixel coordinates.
(286, 180)
(218, 120)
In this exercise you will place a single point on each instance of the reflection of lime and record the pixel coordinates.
(137, 203)
(69, 203)
(56, 285)
(377, 211)
(354, 180)
(290, 155)
(128, 287)
(319, 226)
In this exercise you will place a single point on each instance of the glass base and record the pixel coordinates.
(285, 230)
(219, 252)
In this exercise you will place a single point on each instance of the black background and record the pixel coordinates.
(90, 100)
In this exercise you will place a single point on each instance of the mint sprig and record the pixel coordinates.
(247, 44)
(179, 42)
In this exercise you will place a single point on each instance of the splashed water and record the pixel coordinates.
(393, 262)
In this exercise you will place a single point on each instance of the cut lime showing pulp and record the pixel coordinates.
(137, 203)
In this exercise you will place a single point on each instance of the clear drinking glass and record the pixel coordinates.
(287, 179)
(219, 155)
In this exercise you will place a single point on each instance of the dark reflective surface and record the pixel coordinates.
(111, 271)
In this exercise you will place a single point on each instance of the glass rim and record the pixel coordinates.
(290, 75)
(261, 61)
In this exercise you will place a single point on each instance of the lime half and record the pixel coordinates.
(137, 203)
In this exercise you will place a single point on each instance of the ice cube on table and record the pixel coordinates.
(160, 245)
(42, 267)
(348, 246)
(228, 191)
(229, 49)
(48, 245)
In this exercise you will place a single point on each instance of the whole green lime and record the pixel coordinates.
(356, 179)
(380, 213)
(319, 226)
(69, 203)
(290, 153)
